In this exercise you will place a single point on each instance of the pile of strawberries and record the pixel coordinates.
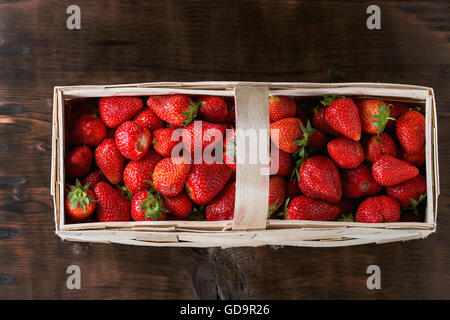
(363, 155)
(329, 158)
(121, 151)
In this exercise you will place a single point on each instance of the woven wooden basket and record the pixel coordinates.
(250, 226)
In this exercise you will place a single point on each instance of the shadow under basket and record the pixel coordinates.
(250, 226)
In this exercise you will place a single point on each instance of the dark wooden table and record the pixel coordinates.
(120, 42)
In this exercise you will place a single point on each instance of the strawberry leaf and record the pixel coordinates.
(327, 100)
(382, 118)
(191, 113)
(348, 218)
(78, 196)
(415, 203)
(152, 206)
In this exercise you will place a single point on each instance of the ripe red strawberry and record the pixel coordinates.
(416, 159)
(292, 189)
(205, 181)
(281, 107)
(116, 110)
(133, 140)
(389, 171)
(346, 153)
(179, 206)
(89, 130)
(320, 123)
(93, 178)
(357, 183)
(343, 116)
(285, 132)
(280, 162)
(319, 179)
(111, 206)
(199, 134)
(222, 207)
(277, 193)
(75, 111)
(78, 161)
(138, 172)
(147, 206)
(376, 146)
(110, 161)
(410, 189)
(318, 140)
(164, 140)
(212, 108)
(396, 110)
(177, 109)
(229, 149)
(305, 208)
(378, 209)
(169, 176)
(148, 119)
(375, 114)
(80, 201)
(410, 131)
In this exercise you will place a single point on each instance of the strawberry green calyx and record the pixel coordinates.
(304, 151)
(78, 196)
(191, 114)
(327, 100)
(415, 203)
(230, 150)
(155, 192)
(348, 218)
(125, 192)
(382, 118)
(307, 132)
(152, 207)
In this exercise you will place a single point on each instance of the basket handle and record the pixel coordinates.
(252, 178)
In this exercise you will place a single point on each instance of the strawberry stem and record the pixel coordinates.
(284, 211)
(273, 208)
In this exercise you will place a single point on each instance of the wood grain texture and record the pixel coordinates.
(142, 41)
